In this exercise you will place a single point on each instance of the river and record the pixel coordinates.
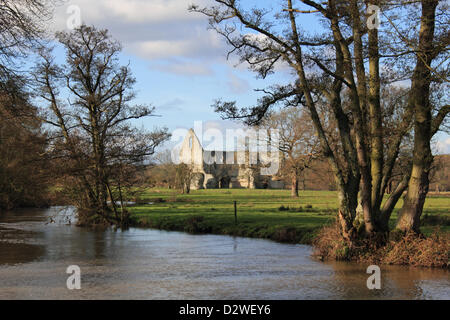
(153, 264)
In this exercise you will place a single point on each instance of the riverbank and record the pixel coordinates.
(267, 214)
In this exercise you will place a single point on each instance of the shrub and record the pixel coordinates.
(195, 224)
(286, 235)
(417, 250)
(435, 220)
(399, 249)
(329, 244)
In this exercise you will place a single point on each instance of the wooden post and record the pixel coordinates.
(235, 212)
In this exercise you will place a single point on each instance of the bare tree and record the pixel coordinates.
(162, 171)
(428, 49)
(184, 177)
(343, 61)
(22, 25)
(93, 129)
(297, 142)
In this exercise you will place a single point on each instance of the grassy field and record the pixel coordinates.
(269, 214)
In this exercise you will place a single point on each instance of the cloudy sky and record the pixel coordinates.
(180, 65)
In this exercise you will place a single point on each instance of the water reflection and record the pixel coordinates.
(152, 264)
(14, 253)
(397, 282)
(235, 244)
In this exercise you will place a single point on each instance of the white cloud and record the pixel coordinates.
(237, 85)
(187, 68)
(145, 10)
(443, 146)
(195, 43)
(131, 11)
(161, 31)
(161, 48)
(156, 29)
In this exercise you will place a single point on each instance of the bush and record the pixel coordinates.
(400, 249)
(157, 200)
(435, 220)
(195, 224)
(417, 250)
(307, 208)
(286, 235)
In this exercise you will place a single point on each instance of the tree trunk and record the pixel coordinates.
(359, 122)
(389, 205)
(375, 116)
(294, 186)
(347, 213)
(186, 187)
(409, 218)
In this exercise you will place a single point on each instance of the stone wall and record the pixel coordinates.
(218, 169)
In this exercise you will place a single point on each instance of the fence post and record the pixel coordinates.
(235, 212)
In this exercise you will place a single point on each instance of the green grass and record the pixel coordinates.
(259, 214)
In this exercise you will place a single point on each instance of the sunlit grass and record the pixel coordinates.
(259, 213)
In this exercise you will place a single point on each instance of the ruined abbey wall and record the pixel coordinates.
(220, 169)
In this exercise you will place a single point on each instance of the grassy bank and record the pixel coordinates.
(269, 214)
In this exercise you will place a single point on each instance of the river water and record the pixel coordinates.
(153, 264)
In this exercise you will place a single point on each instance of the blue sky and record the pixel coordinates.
(180, 66)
